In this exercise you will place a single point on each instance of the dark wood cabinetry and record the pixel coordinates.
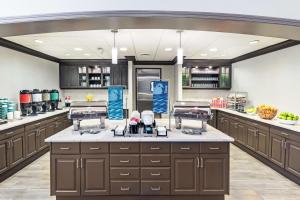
(262, 142)
(251, 138)
(277, 151)
(26, 142)
(68, 76)
(132, 170)
(292, 160)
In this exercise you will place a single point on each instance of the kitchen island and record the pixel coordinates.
(103, 166)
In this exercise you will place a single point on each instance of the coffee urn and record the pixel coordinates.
(46, 104)
(25, 102)
(36, 101)
(54, 98)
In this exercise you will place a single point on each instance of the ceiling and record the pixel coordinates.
(152, 42)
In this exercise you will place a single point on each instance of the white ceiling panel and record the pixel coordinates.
(97, 44)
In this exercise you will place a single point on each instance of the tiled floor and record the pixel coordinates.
(249, 180)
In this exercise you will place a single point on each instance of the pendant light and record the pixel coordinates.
(179, 50)
(114, 50)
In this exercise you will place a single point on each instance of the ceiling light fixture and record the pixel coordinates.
(203, 54)
(180, 50)
(114, 50)
(67, 54)
(254, 42)
(39, 41)
(78, 49)
(168, 49)
(123, 49)
(86, 54)
(213, 49)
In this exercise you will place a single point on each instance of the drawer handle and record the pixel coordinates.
(125, 188)
(155, 148)
(155, 161)
(124, 174)
(10, 133)
(95, 148)
(285, 134)
(37, 124)
(185, 148)
(64, 148)
(155, 174)
(124, 148)
(214, 148)
(124, 161)
(155, 188)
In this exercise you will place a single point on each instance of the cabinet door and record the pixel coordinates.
(262, 143)
(50, 129)
(59, 125)
(31, 142)
(251, 138)
(242, 134)
(184, 174)
(213, 121)
(41, 136)
(226, 125)
(4, 163)
(276, 149)
(233, 129)
(214, 177)
(292, 162)
(68, 76)
(17, 150)
(65, 175)
(95, 174)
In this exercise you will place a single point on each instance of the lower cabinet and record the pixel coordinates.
(276, 149)
(242, 134)
(251, 138)
(65, 175)
(185, 174)
(4, 161)
(31, 142)
(233, 129)
(94, 176)
(262, 142)
(292, 161)
(40, 140)
(17, 150)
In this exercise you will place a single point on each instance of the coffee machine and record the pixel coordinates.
(25, 102)
(54, 99)
(36, 101)
(46, 104)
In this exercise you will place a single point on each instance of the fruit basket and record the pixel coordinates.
(266, 112)
(287, 122)
(288, 118)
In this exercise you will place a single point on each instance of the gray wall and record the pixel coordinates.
(271, 79)
(21, 71)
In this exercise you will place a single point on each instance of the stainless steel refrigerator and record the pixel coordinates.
(144, 79)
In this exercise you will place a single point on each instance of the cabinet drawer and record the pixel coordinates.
(185, 148)
(125, 147)
(125, 160)
(65, 148)
(155, 173)
(153, 148)
(125, 173)
(10, 132)
(35, 125)
(154, 160)
(214, 147)
(155, 187)
(125, 187)
(94, 148)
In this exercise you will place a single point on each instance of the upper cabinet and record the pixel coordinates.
(91, 74)
(206, 74)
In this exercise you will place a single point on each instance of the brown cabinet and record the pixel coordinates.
(292, 161)
(184, 174)
(65, 175)
(40, 140)
(251, 138)
(233, 129)
(17, 150)
(214, 174)
(276, 149)
(31, 142)
(223, 124)
(94, 174)
(4, 161)
(242, 134)
(262, 146)
(50, 129)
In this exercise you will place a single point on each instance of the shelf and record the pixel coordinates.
(204, 74)
(197, 88)
(205, 80)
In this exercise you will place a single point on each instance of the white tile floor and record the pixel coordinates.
(249, 180)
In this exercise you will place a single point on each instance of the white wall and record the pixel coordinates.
(204, 95)
(273, 79)
(270, 8)
(20, 71)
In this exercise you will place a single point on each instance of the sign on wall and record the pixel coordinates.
(115, 102)
(160, 96)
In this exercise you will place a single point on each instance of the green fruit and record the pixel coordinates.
(289, 118)
(296, 118)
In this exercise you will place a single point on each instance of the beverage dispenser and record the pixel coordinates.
(25, 102)
(54, 98)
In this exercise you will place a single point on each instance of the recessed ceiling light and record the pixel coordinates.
(203, 54)
(67, 54)
(39, 41)
(86, 54)
(213, 49)
(168, 49)
(196, 67)
(210, 67)
(254, 42)
(222, 55)
(123, 49)
(78, 49)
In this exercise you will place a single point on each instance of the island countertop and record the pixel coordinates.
(175, 135)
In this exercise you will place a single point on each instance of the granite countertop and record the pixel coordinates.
(273, 122)
(68, 135)
(30, 119)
